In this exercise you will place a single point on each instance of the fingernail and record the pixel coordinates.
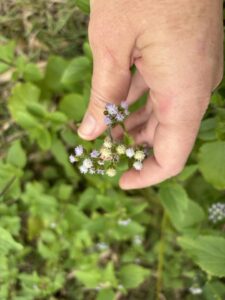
(88, 126)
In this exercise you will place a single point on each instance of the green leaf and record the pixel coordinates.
(207, 130)
(84, 5)
(74, 106)
(7, 243)
(54, 72)
(131, 276)
(90, 278)
(32, 73)
(106, 294)
(212, 163)
(23, 94)
(44, 138)
(37, 110)
(206, 251)
(76, 71)
(182, 211)
(6, 56)
(187, 172)
(16, 155)
(57, 117)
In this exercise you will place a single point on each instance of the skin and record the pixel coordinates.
(177, 48)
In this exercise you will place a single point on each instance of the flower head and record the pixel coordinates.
(107, 121)
(100, 171)
(130, 152)
(111, 108)
(106, 153)
(83, 169)
(107, 142)
(137, 165)
(72, 159)
(139, 155)
(120, 117)
(121, 149)
(88, 163)
(111, 172)
(79, 150)
(95, 154)
(217, 212)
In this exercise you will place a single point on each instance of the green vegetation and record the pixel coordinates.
(64, 236)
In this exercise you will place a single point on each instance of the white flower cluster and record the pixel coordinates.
(217, 212)
(105, 160)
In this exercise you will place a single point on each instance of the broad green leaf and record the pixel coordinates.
(23, 94)
(182, 211)
(106, 294)
(7, 243)
(90, 278)
(37, 110)
(214, 290)
(57, 118)
(54, 72)
(44, 138)
(131, 276)
(16, 155)
(212, 163)
(76, 71)
(74, 106)
(32, 73)
(206, 251)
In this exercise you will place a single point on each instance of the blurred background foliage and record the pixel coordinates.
(72, 237)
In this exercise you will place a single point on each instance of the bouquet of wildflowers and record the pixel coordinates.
(105, 161)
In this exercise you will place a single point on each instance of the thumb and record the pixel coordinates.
(110, 84)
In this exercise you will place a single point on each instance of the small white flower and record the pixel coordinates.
(53, 225)
(111, 172)
(137, 165)
(195, 290)
(139, 155)
(102, 246)
(72, 159)
(130, 152)
(88, 163)
(121, 149)
(137, 240)
(106, 153)
(107, 142)
(92, 171)
(83, 169)
(124, 222)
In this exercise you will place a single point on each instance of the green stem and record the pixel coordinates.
(7, 63)
(161, 254)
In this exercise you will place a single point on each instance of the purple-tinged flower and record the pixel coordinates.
(107, 121)
(124, 105)
(83, 169)
(137, 165)
(100, 171)
(95, 154)
(130, 152)
(72, 159)
(120, 117)
(112, 109)
(79, 150)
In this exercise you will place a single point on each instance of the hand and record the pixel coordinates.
(177, 48)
